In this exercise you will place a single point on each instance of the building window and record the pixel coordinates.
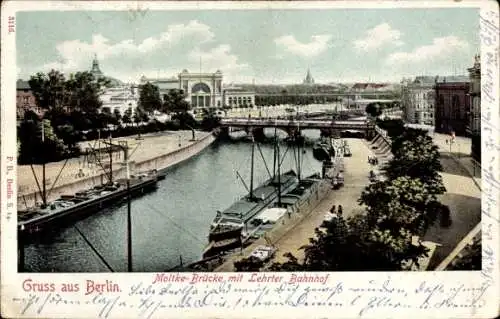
(455, 107)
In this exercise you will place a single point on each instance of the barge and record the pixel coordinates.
(70, 207)
(226, 231)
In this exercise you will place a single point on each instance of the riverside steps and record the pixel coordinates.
(153, 151)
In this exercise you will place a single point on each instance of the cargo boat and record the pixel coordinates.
(70, 207)
(227, 228)
(323, 150)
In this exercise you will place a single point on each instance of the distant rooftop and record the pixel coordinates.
(440, 79)
(453, 78)
(363, 86)
(22, 85)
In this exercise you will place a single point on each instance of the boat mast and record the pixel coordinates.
(44, 187)
(129, 211)
(279, 173)
(274, 155)
(125, 150)
(299, 141)
(110, 160)
(252, 168)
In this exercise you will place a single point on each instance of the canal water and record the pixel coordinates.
(168, 225)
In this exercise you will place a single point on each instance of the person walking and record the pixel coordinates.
(332, 210)
(340, 210)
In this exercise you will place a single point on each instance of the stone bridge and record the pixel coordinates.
(293, 128)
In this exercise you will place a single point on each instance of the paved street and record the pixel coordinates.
(152, 145)
(463, 197)
(356, 178)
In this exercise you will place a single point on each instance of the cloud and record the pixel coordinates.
(440, 48)
(77, 54)
(382, 34)
(219, 57)
(314, 48)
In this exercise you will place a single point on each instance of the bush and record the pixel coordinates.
(249, 264)
(445, 216)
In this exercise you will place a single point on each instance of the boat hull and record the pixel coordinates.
(218, 236)
(78, 211)
(217, 247)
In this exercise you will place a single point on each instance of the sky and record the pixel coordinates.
(266, 46)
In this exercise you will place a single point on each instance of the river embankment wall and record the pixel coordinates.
(158, 162)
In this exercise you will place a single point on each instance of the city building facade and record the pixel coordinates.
(120, 98)
(474, 126)
(418, 99)
(202, 90)
(452, 106)
(236, 97)
(25, 100)
(165, 85)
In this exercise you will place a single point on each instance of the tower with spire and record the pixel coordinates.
(96, 71)
(309, 79)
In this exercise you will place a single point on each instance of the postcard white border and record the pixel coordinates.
(11, 280)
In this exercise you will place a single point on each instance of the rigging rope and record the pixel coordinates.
(176, 224)
(94, 249)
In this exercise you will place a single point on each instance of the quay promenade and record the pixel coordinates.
(149, 147)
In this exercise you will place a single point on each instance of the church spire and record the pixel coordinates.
(309, 79)
(96, 71)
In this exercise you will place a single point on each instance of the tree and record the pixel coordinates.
(175, 101)
(149, 97)
(35, 148)
(401, 203)
(54, 93)
(415, 155)
(127, 116)
(351, 245)
(249, 264)
(374, 109)
(83, 91)
(471, 259)
(137, 118)
(144, 116)
(48, 89)
(117, 117)
(106, 117)
(394, 127)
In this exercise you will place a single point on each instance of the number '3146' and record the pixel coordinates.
(12, 24)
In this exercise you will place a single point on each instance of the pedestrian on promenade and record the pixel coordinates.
(332, 210)
(340, 210)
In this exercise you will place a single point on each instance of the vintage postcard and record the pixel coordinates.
(250, 159)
